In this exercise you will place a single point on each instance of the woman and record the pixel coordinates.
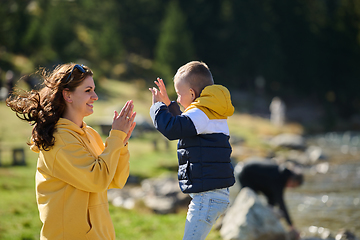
(74, 168)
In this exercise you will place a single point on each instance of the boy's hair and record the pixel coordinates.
(197, 74)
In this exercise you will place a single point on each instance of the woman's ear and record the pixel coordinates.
(67, 95)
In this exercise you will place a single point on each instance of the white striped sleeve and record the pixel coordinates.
(204, 125)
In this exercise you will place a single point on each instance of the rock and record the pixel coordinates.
(249, 219)
(345, 235)
(235, 189)
(288, 140)
(236, 140)
(125, 197)
(315, 153)
(315, 232)
(128, 203)
(163, 195)
(322, 167)
(312, 238)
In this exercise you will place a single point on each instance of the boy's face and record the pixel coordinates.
(186, 95)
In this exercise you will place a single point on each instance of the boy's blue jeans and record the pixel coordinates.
(204, 209)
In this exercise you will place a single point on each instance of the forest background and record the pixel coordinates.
(304, 51)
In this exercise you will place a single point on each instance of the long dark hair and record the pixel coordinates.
(43, 108)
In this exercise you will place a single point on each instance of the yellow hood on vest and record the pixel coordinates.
(215, 102)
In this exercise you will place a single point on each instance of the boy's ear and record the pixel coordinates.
(193, 94)
(67, 95)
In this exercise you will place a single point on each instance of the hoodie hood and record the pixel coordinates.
(67, 125)
(215, 102)
(64, 123)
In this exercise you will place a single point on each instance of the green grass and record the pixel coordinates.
(133, 224)
(19, 215)
(19, 218)
(149, 163)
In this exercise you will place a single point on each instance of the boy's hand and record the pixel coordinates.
(161, 94)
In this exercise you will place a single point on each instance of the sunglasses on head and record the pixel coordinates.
(80, 68)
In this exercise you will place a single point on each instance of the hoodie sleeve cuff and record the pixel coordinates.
(117, 133)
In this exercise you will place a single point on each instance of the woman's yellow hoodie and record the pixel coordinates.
(72, 179)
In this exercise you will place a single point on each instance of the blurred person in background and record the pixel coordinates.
(271, 180)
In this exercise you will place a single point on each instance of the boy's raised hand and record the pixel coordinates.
(160, 95)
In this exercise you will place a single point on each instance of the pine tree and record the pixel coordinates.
(175, 47)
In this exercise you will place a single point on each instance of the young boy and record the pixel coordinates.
(205, 171)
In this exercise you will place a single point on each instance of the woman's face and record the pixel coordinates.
(82, 99)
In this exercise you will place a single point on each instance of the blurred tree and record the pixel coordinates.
(100, 32)
(340, 45)
(302, 48)
(32, 40)
(209, 25)
(175, 47)
(14, 18)
(298, 44)
(58, 31)
(237, 40)
(256, 44)
(141, 24)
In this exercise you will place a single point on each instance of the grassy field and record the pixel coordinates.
(19, 218)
